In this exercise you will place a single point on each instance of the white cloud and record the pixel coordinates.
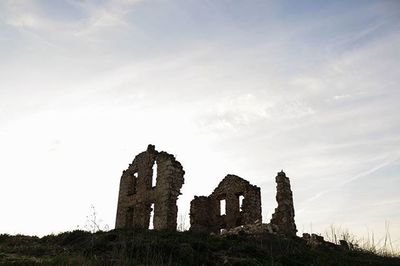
(353, 177)
(339, 97)
(31, 16)
(235, 112)
(386, 202)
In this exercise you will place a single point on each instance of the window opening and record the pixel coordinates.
(135, 177)
(132, 184)
(241, 198)
(154, 178)
(222, 207)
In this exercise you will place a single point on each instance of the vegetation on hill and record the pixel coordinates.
(144, 247)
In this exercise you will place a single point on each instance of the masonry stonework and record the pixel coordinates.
(206, 214)
(283, 217)
(137, 194)
(153, 182)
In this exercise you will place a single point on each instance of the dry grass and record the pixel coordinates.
(147, 247)
(382, 245)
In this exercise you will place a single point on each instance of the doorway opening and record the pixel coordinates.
(151, 225)
(241, 198)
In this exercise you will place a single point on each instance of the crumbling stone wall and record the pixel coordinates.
(283, 217)
(205, 212)
(136, 193)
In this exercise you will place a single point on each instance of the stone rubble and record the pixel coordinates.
(251, 229)
(315, 240)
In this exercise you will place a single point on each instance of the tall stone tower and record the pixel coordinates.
(153, 179)
(283, 217)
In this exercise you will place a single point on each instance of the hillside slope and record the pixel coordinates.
(174, 248)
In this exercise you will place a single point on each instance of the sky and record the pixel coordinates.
(228, 87)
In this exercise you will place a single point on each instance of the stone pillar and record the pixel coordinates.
(200, 214)
(283, 217)
(252, 205)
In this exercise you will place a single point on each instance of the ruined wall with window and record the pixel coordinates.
(151, 184)
(233, 203)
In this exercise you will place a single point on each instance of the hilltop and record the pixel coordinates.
(145, 247)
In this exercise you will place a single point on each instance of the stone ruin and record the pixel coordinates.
(151, 183)
(314, 240)
(242, 206)
(233, 203)
(242, 216)
(283, 217)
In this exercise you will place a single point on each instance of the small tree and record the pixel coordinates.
(93, 224)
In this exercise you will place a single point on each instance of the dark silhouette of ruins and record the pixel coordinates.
(206, 214)
(283, 217)
(243, 207)
(137, 193)
(234, 203)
